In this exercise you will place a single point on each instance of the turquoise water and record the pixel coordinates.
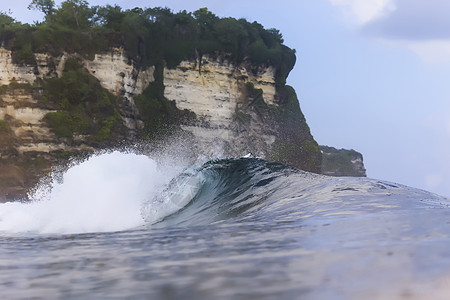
(119, 226)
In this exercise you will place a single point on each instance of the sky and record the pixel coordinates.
(371, 75)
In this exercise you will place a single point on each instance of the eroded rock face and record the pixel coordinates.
(228, 124)
(12, 72)
(214, 89)
(25, 121)
(120, 76)
(24, 113)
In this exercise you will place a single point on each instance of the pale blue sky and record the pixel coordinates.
(372, 75)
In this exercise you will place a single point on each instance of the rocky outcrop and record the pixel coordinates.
(120, 76)
(215, 90)
(13, 72)
(237, 110)
(342, 162)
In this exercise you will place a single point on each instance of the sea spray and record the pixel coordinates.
(104, 193)
(120, 191)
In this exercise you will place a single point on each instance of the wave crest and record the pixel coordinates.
(121, 191)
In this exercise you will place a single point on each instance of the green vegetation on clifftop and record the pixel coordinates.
(342, 162)
(148, 35)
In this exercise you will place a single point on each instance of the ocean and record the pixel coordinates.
(123, 226)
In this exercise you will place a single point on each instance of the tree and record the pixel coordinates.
(5, 20)
(272, 37)
(45, 6)
(110, 16)
(229, 32)
(74, 14)
(205, 20)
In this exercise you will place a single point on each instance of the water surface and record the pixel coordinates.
(118, 226)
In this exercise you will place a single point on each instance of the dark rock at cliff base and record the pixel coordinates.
(342, 162)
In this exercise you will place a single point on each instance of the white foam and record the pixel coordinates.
(104, 193)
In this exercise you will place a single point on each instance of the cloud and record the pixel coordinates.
(417, 20)
(364, 11)
(431, 51)
(422, 26)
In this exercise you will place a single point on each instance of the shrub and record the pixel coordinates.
(60, 123)
(106, 128)
(85, 107)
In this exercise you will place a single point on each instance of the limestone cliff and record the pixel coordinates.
(215, 90)
(236, 108)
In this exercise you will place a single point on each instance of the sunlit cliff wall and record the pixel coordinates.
(237, 111)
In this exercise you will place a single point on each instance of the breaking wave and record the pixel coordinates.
(120, 191)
